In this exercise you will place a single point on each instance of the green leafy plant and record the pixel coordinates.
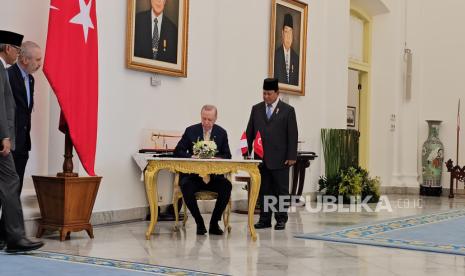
(330, 185)
(351, 183)
(340, 149)
(343, 176)
(370, 187)
(354, 181)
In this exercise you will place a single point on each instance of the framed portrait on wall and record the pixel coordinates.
(351, 116)
(156, 36)
(288, 44)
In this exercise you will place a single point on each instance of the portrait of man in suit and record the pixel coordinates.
(156, 34)
(286, 60)
(288, 44)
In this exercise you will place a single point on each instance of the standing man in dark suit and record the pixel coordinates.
(22, 85)
(286, 60)
(277, 124)
(12, 222)
(192, 183)
(155, 35)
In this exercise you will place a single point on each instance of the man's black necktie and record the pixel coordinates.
(287, 67)
(155, 38)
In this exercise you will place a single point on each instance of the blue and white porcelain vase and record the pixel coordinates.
(432, 159)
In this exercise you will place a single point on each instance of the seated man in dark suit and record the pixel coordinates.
(192, 183)
(155, 35)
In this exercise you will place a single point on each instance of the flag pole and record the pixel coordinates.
(68, 162)
(458, 141)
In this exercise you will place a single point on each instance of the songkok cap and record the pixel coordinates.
(270, 84)
(288, 21)
(11, 38)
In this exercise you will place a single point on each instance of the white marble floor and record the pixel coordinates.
(275, 252)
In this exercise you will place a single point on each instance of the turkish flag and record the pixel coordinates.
(257, 145)
(244, 145)
(71, 67)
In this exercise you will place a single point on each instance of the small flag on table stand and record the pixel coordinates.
(244, 145)
(257, 145)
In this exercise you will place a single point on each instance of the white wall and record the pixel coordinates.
(31, 18)
(434, 32)
(228, 59)
(387, 47)
(442, 39)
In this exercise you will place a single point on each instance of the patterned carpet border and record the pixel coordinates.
(366, 234)
(146, 268)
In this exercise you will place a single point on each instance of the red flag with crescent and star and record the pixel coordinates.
(257, 145)
(71, 67)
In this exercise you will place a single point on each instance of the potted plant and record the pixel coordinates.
(343, 176)
(353, 181)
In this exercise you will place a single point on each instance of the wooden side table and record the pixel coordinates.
(298, 171)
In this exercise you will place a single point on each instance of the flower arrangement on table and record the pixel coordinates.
(204, 149)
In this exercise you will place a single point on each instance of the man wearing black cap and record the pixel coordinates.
(12, 222)
(277, 124)
(286, 60)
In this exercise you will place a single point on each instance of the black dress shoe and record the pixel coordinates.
(280, 225)
(262, 225)
(201, 230)
(23, 245)
(215, 229)
(2, 244)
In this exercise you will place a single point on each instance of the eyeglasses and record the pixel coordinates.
(16, 47)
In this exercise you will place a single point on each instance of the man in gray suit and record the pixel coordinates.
(12, 223)
(277, 124)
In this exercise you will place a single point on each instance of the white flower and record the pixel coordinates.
(205, 149)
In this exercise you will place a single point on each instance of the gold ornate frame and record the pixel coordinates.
(278, 9)
(178, 69)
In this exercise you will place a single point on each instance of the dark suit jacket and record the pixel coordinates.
(279, 134)
(280, 67)
(7, 109)
(167, 44)
(23, 111)
(194, 133)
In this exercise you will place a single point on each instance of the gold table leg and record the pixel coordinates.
(176, 197)
(254, 190)
(152, 195)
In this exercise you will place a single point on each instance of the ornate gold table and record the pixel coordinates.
(202, 167)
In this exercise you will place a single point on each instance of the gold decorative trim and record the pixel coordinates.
(202, 168)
